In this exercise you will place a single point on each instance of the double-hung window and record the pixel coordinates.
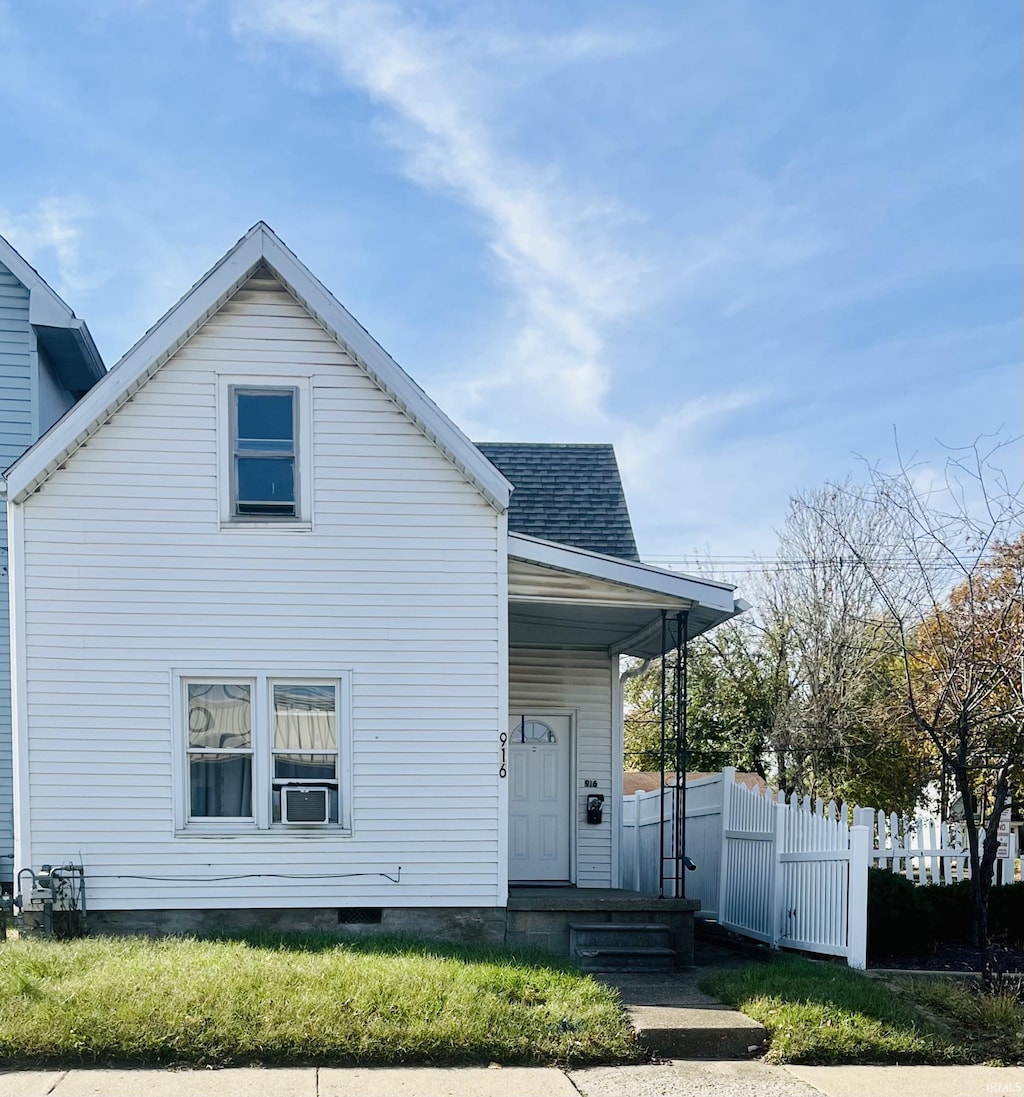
(305, 747)
(264, 452)
(220, 749)
(263, 751)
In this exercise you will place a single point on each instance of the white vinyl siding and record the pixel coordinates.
(16, 352)
(129, 576)
(580, 681)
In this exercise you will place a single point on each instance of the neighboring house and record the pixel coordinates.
(47, 361)
(646, 780)
(306, 659)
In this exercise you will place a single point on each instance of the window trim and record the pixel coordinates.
(261, 681)
(227, 386)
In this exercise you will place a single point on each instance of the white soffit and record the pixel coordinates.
(704, 592)
(259, 245)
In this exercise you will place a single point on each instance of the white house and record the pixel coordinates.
(279, 656)
(47, 360)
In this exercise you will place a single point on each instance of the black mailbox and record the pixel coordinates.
(595, 808)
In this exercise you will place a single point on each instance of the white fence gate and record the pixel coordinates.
(789, 873)
(775, 871)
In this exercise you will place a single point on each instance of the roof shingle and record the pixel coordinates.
(567, 493)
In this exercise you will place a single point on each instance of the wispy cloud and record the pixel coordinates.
(570, 276)
(53, 226)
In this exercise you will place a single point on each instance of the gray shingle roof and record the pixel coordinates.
(571, 494)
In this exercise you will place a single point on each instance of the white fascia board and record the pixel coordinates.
(705, 592)
(387, 373)
(260, 244)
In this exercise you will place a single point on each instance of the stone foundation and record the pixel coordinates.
(471, 925)
(535, 918)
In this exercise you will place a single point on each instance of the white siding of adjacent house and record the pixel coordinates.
(579, 682)
(127, 575)
(16, 352)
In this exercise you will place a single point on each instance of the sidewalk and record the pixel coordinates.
(680, 1078)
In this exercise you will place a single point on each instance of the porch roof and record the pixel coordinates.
(561, 596)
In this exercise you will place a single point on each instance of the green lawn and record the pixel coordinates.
(991, 1024)
(824, 1013)
(299, 999)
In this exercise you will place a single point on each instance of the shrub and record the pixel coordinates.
(1006, 913)
(899, 918)
(949, 907)
(904, 919)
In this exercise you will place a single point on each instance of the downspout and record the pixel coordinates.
(635, 672)
(661, 790)
(683, 745)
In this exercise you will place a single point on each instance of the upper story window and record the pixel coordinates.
(264, 451)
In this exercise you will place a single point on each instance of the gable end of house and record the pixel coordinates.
(259, 248)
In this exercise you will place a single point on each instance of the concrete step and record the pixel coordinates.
(622, 946)
(678, 1021)
(621, 935)
(625, 959)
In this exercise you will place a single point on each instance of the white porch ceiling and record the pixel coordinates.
(562, 597)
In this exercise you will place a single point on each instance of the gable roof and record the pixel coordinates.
(259, 247)
(64, 338)
(571, 494)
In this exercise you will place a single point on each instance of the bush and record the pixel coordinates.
(1006, 913)
(949, 907)
(904, 919)
(899, 918)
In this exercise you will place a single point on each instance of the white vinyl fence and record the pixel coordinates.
(789, 873)
(929, 852)
(775, 871)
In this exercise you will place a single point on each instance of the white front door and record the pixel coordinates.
(539, 798)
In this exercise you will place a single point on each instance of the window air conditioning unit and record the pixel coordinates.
(300, 804)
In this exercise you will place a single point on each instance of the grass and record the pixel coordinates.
(823, 1013)
(991, 1023)
(299, 999)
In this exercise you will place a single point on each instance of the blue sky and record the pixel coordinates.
(744, 241)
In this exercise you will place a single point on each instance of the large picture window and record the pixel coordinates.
(252, 741)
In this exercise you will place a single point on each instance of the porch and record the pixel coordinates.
(572, 614)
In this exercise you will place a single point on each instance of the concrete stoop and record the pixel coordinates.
(678, 1021)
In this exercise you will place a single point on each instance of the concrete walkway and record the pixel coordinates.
(679, 1021)
(680, 1078)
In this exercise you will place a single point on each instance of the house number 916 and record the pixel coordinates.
(589, 783)
(503, 739)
